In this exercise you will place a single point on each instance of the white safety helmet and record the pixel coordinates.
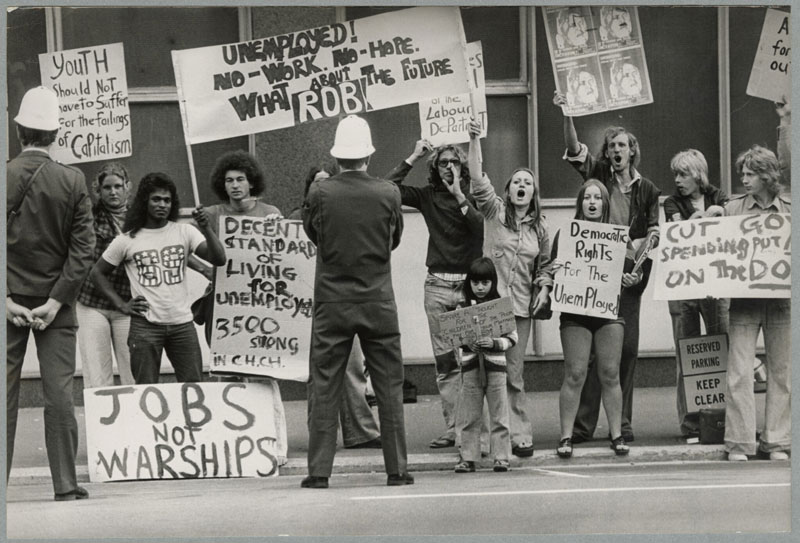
(39, 110)
(353, 139)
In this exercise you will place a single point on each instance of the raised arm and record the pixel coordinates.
(481, 188)
(570, 134)
(211, 250)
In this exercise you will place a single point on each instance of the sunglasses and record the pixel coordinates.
(444, 163)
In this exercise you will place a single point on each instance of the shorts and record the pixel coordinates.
(593, 324)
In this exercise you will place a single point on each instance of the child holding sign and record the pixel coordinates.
(483, 374)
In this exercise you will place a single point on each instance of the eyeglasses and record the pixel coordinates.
(444, 163)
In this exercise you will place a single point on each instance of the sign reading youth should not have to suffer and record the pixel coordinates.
(745, 256)
(465, 325)
(180, 431)
(366, 64)
(704, 366)
(598, 57)
(263, 298)
(92, 92)
(590, 280)
(771, 76)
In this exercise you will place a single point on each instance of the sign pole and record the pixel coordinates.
(182, 107)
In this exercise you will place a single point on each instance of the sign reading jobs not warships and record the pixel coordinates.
(180, 431)
(263, 298)
(92, 92)
(344, 68)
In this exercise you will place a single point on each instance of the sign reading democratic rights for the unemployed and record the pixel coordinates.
(704, 366)
(92, 92)
(744, 256)
(352, 67)
(590, 278)
(771, 75)
(489, 319)
(263, 298)
(445, 119)
(180, 431)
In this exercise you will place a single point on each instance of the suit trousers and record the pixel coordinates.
(56, 347)
(358, 422)
(334, 327)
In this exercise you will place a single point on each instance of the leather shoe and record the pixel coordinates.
(371, 444)
(442, 442)
(522, 451)
(577, 438)
(314, 482)
(399, 480)
(79, 493)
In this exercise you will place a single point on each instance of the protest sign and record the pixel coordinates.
(92, 91)
(704, 366)
(445, 119)
(598, 57)
(180, 431)
(367, 64)
(263, 298)
(744, 256)
(465, 325)
(771, 76)
(590, 278)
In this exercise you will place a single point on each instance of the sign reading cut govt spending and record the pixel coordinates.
(771, 76)
(92, 91)
(180, 431)
(704, 366)
(263, 298)
(352, 67)
(465, 325)
(744, 256)
(590, 280)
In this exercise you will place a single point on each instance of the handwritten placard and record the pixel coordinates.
(704, 366)
(367, 64)
(180, 431)
(745, 256)
(92, 91)
(263, 298)
(771, 76)
(590, 280)
(446, 119)
(465, 325)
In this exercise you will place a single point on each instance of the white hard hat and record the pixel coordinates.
(353, 139)
(39, 109)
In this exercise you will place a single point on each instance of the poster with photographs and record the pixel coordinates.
(598, 58)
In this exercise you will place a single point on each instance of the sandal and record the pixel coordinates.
(564, 449)
(500, 466)
(619, 447)
(465, 466)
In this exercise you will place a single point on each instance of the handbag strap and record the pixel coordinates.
(26, 188)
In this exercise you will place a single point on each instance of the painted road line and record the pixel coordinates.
(572, 491)
(562, 473)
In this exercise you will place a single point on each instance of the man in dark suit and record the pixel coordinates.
(356, 221)
(49, 248)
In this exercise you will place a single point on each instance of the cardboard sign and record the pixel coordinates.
(367, 64)
(264, 298)
(771, 76)
(704, 366)
(92, 91)
(465, 325)
(445, 119)
(590, 280)
(744, 256)
(180, 431)
(598, 57)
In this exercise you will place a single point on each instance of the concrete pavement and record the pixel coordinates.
(655, 429)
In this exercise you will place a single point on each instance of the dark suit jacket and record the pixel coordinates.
(355, 220)
(50, 242)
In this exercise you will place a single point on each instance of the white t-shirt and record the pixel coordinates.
(155, 261)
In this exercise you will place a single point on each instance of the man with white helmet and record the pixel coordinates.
(49, 248)
(356, 221)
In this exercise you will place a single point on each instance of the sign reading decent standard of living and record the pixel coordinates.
(180, 431)
(745, 256)
(704, 366)
(362, 65)
(465, 325)
(92, 92)
(771, 76)
(263, 298)
(590, 280)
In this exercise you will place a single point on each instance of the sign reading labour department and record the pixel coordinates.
(465, 325)
(263, 298)
(180, 431)
(704, 366)
(92, 92)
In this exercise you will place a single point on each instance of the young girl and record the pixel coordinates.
(580, 332)
(483, 374)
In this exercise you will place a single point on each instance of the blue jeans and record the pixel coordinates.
(147, 342)
(518, 412)
(471, 419)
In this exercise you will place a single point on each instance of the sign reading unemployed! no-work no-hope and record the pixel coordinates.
(352, 67)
